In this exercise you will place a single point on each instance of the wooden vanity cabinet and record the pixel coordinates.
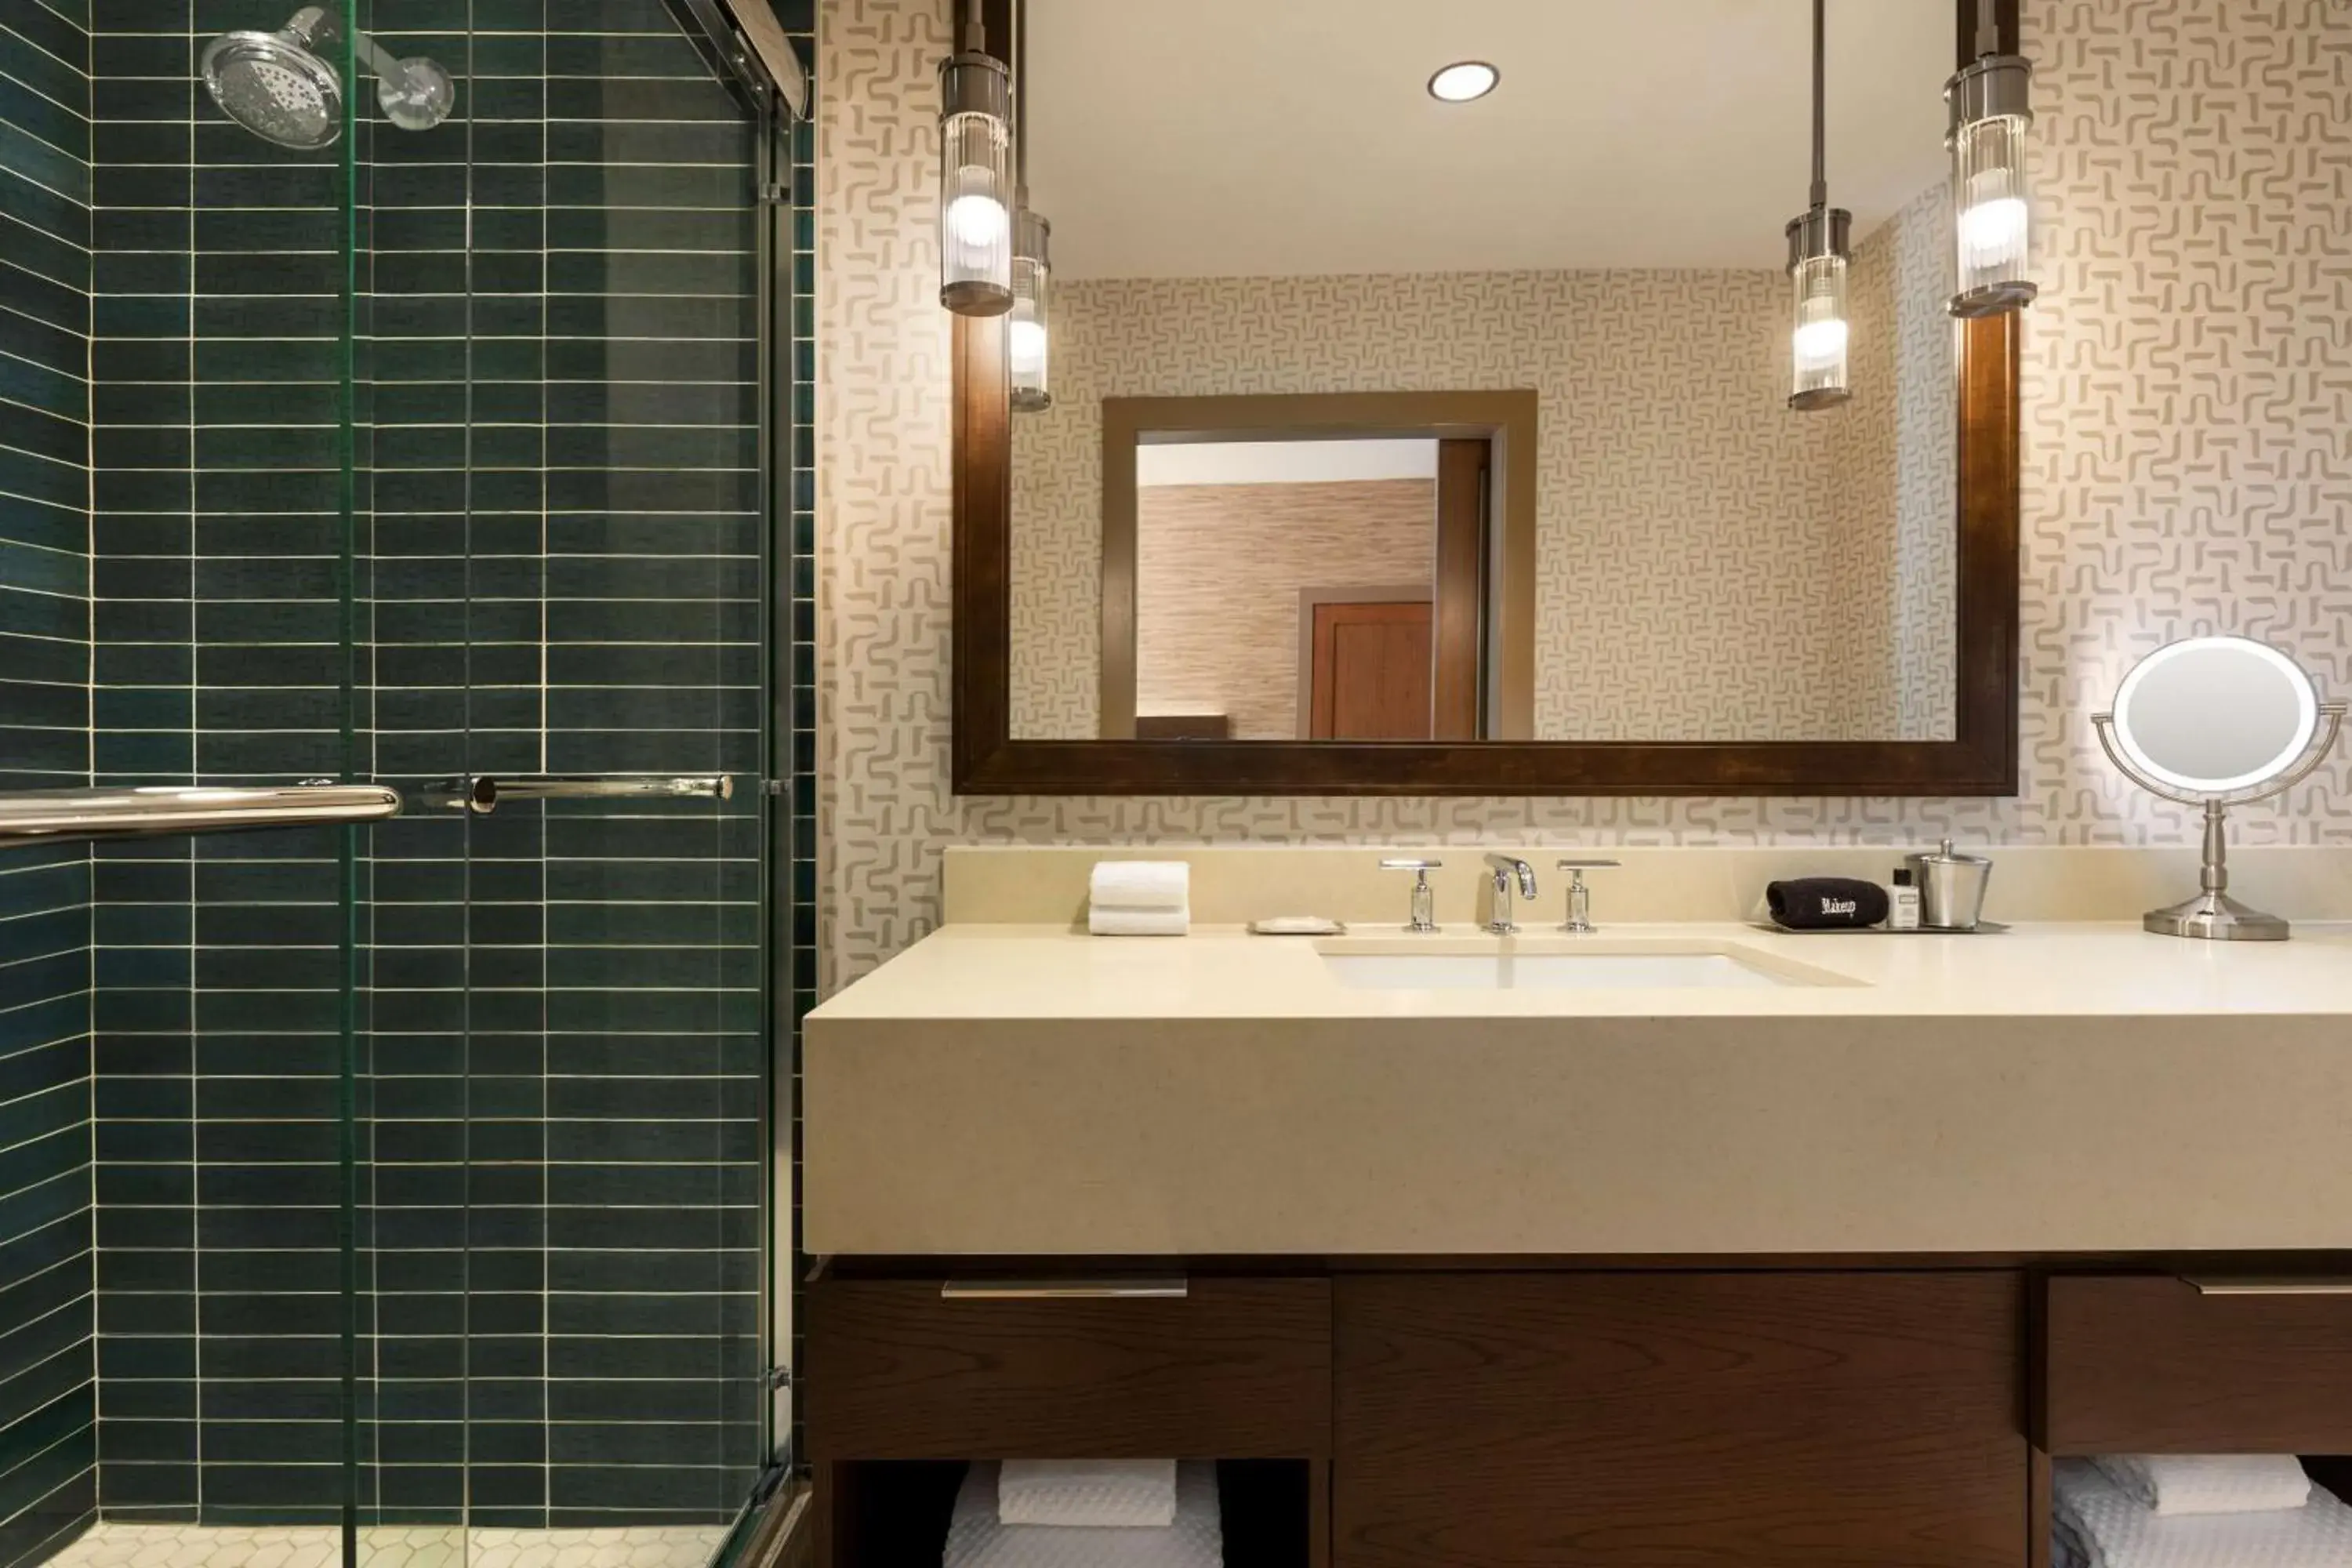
(1805, 1419)
(1476, 1419)
(909, 1379)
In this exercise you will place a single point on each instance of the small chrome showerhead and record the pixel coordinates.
(275, 86)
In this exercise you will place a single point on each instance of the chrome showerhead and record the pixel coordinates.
(275, 86)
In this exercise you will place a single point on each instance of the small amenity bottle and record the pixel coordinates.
(1903, 902)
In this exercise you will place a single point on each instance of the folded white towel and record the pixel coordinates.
(1106, 921)
(977, 1538)
(2116, 1531)
(2175, 1483)
(1111, 1494)
(1141, 885)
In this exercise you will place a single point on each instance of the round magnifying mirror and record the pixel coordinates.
(2216, 715)
(2217, 722)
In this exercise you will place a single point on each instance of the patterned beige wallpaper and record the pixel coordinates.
(2188, 428)
(1218, 570)
(1664, 418)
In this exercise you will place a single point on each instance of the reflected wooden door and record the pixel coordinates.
(1370, 670)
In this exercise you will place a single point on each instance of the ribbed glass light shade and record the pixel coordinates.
(1819, 340)
(975, 186)
(1817, 274)
(1991, 212)
(1028, 341)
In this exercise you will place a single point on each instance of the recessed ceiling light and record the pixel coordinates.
(1463, 80)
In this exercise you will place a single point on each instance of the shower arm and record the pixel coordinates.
(315, 25)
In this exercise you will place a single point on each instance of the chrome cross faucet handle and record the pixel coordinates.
(1580, 897)
(1506, 868)
(1424, 901)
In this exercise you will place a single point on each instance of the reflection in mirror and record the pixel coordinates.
(1261, 201)
(1285, 590)
(2216, 714)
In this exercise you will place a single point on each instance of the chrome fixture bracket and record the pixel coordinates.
(745, 46)
(2213, 915)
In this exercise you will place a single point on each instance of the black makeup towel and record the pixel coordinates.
(1826, 903)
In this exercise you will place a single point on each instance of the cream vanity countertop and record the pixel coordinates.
(1022, 1089)
(979, 972)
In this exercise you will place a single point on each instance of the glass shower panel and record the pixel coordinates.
(651, 640)
(220, 1000)
(416, 1279)
(562, 515)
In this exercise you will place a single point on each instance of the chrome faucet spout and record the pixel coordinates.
(1505, 870)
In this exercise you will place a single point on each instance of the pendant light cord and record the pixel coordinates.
(975, 31)
(1021, 101)
(1821, 136)
(1988, 27)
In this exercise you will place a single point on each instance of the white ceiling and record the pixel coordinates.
(1204, 138)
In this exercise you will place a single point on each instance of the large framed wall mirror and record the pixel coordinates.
(1400, 444)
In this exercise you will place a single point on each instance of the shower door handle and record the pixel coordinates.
(483, 795)
(45, 816)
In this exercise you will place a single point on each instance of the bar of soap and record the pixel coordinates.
(1297, 925)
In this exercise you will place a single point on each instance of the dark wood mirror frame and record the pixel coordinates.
(1981, 760)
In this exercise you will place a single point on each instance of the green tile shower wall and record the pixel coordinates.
(48, 1435)
(555, 568)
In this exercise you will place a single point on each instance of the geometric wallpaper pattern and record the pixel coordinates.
(2188, 439)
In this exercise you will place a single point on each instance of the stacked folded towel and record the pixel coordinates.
(2175, 1483)
(1087, 1514)
(2194, 1511)
(1139, 898)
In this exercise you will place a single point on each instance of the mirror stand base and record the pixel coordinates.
(2216, 917)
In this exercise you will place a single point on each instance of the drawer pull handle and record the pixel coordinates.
(2282, 1285)
(1065, 1290)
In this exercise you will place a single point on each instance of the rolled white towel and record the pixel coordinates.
(2176, 1484)
(1141, 885)
(1115, 1494)
(2116, 1529)
(1104, 921)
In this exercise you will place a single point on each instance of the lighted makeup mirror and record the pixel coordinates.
(2215, 723)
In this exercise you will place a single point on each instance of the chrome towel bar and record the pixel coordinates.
(41, 816)
(482, 795)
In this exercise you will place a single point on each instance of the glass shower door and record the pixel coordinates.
(565, 1053)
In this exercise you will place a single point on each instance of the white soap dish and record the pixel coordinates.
(1297, 925)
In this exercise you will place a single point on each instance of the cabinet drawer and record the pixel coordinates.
(1232, 1369)
(1634, 1420)
(2154, 1364)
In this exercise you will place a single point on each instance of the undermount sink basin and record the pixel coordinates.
(1600, 969)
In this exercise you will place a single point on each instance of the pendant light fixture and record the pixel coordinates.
(1028, 343)
(1992, 108)
(975, 177)
(1819, 254)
